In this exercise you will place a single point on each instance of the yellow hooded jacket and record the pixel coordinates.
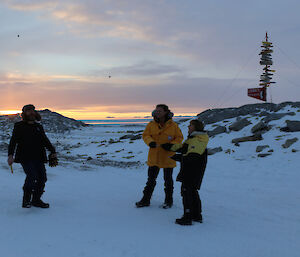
(196, 143)
(169, 133)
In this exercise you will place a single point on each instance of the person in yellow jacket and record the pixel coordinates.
(193, 158)
(160, 131)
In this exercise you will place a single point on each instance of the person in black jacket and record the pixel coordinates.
(28, 143)
(193, 158)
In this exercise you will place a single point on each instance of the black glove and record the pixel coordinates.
(152, 145)
(53, 161)
(166, 146)
(177, 157)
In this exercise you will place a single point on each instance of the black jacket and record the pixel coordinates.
(193, 158)
(31, 142)
(192, 169)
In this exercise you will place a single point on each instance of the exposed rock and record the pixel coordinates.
(263, 154)
(211, 151)
(51, 121)
(217, 130)
(277, 116)
(294, 150)
(131, 137)
(291, 126)
(260, 127)
(215, 115)
(263, 113)
(101, 154)
(240, 124)
(112, 141)
(248, 138)
(271, 151)
(228, 151)
(183, 120)
(119, 164)
(259, 148)
(289, 142)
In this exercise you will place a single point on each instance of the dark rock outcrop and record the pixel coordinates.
(259, 148)
(211, 151)
(248, 138)
(239, 124)
(276, 116)
(51, 121)
(260, 127)
(291, 126)
(131, 137)
(263, 154)
(217, 130)
(289, 142)
(215, 115)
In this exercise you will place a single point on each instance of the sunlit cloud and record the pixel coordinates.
(28, 5)
(82, 18)
(126, 56)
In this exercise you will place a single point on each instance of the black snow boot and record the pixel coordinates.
(185, 220)
(198, 218)
(169, 187)
(167, 204)
(168, 199)
(26, 199)
(37, 202)
(142, 203)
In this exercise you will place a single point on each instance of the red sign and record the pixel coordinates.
(259, 93)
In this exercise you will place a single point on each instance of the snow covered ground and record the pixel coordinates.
(251, 205)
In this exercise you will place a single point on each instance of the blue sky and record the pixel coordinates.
(191, 55)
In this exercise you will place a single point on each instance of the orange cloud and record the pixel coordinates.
(31, 5)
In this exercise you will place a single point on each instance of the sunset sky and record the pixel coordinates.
(91, 59)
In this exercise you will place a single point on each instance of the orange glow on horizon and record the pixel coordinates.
(88, 115)
(8, 112)
(96, 115)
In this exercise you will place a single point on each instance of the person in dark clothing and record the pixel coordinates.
(193, 158)
(28, 143)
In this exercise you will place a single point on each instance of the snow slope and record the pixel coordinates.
(251, 205)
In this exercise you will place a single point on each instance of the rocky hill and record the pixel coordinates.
(271, 125)
(52, 122)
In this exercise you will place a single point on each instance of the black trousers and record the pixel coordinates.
(151, 183)
(36, 177)
(191, 201)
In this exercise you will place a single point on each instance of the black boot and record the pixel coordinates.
(185, 220)
(168, 200)
(37, 202)
(198, 218)
(142, 203)
(26, 199)
(149, 188)
(167, 205)
(169, 187)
